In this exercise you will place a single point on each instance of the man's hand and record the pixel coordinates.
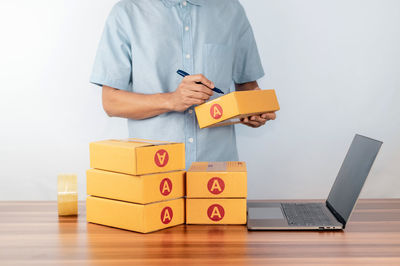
(256, 121)
(190, 93)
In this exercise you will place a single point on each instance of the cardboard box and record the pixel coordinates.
(135, 217)
(216, 211)
(137, 157)
(228, 109)
(137, 189)
(217, 180)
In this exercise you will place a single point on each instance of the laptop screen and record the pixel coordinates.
(352, 175)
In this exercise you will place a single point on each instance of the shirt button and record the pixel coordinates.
(191, 140)
(187, 28)
(190, 111)
(184, 3)
(188, 56)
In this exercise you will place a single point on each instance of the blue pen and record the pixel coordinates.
(184, 74)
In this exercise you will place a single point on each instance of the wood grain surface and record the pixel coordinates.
(32, 233)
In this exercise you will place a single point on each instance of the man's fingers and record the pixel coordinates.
(244, 119)
(269, 116)
(199, 95)
(201, 88)
(253, 121)
(196, 101)
(200, 78)
(258, 119)
(248, 122)
(252, 124)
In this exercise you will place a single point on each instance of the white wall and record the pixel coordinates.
(335, 65)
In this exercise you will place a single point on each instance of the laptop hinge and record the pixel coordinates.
(336, 214)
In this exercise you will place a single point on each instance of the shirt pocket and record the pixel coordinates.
(218, 65)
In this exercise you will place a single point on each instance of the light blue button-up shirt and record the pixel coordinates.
(145, 42)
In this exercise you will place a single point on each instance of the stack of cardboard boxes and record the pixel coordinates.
(216, 193)
(136, 184)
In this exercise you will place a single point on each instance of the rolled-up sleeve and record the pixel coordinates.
(113, 62)
(247, 63)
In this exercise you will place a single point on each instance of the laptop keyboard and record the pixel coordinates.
(306, 214)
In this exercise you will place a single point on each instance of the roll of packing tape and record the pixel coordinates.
(67, 195)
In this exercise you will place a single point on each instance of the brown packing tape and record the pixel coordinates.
(67, 197)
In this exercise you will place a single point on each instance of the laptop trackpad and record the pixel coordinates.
(266, 213)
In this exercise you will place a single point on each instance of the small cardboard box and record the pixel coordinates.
(217, 180)
(136, 156)
(135, 217)
(137, 189)
(228, 109)
(216, 211)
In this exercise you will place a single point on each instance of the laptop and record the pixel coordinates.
(335, 212)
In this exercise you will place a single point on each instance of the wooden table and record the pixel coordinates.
(32, 233)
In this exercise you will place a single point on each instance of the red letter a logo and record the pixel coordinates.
(161, 158)
(216, 111)
(166, 215)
